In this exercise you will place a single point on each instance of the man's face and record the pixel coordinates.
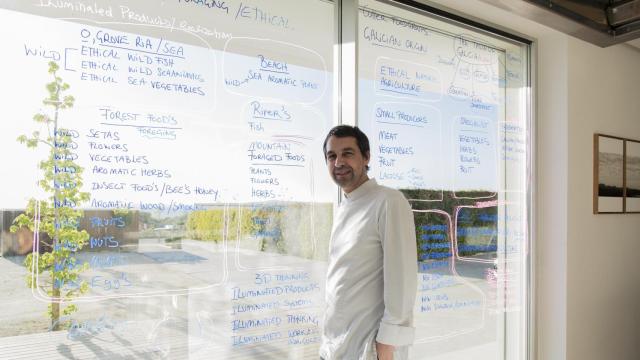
(346, 164)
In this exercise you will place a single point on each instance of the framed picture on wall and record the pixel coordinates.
(632, 176)
(608, 176)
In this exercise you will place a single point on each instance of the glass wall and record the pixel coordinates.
(446, 109)
(166, 195)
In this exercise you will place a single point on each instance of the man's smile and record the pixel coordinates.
(342, 172)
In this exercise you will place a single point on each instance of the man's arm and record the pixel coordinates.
(400, 273)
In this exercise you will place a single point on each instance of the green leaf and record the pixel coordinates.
(52, 87)
(53, 67)
(70, 309)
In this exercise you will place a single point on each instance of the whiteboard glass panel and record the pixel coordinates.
(445, 107)
(184, 210)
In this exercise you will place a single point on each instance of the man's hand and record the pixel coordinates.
(385, 352)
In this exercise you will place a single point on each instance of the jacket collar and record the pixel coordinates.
(361, 190)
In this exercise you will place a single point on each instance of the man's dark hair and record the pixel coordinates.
(349, 131)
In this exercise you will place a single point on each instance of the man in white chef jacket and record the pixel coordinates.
(372, 272)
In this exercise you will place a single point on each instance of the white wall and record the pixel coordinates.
(587, 277)
(603, 272)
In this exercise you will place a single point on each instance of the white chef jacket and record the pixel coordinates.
(372, 275)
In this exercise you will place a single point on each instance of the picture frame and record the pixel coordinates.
(609, 174)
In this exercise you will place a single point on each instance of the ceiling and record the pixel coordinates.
(600, 22)
(635, 43)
